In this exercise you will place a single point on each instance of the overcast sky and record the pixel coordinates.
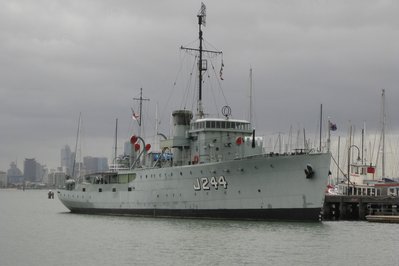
(60, 58)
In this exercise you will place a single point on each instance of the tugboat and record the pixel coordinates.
(212, 168)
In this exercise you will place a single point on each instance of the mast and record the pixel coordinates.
(339, 144)
(321, 124)
(202, 63)
(141, 99)
(116, 141)
(250, 97)
(329, 135)
(200, 16)
(305, 145)
(383, 133)
(76, 146)
(362, 146)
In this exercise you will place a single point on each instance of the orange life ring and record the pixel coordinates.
(196, 159)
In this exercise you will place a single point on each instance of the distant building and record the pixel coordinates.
(14, 175)
(44, 174)
(67, 159)
(33, 171)
(3, 179)
(95, 164)
(56, 179)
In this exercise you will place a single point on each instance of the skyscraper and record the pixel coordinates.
(66, 160)
(33, 171)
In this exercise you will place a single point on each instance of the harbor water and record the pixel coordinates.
(35, 230)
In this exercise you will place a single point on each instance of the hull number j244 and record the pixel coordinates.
(205, 183)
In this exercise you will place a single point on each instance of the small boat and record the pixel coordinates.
(383, 218)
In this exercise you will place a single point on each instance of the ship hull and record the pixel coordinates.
(264, 187)
(308, 214)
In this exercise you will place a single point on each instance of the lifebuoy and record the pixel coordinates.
(196, 159)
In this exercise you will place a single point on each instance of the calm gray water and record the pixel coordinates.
(37, 231)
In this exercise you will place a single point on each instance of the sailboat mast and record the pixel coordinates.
(321, 124)
(250, 97)
(383, 133)
(76, 146)
(116, 141)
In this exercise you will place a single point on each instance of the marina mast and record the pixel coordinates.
(383, 133)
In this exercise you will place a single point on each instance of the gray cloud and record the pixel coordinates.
(60, 58)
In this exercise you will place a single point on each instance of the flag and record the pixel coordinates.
(135, 116)
(332, 126)
(221, 71)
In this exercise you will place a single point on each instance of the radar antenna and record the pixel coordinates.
(202, 13)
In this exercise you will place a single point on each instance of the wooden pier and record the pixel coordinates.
(342, 207)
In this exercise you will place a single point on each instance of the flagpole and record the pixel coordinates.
(329, 136)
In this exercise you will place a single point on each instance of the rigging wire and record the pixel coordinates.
(188, 85)
(173, 87)
(219, 83)
(213, 94)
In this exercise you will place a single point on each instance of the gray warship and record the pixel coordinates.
(213, 168)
